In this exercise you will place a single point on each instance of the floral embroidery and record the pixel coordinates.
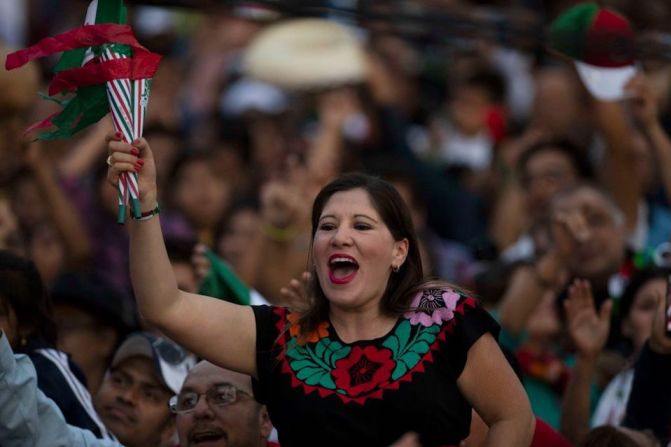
(433, 307)
(357, 373)
(363, 370)
(313, 337)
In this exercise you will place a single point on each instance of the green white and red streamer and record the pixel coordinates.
(103, 68)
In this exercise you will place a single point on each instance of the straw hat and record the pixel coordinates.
(305, 54)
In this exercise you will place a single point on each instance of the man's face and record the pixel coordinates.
(601, 252)
(546, 173)
(243, 423)
(133, 404)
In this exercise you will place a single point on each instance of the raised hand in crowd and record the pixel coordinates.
(339, 112)
(60, 208)
(200, 263)
(295, 293)
(280, 250)
(645, 108)
(588, 328)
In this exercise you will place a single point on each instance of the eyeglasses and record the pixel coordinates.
(216, 396)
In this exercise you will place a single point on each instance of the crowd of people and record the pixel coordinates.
(444, 234)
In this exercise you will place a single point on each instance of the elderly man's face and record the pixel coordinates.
(601, 251)
(241, 423)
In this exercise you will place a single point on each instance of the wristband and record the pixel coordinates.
(149, 214)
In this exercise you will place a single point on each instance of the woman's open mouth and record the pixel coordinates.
(342, 269)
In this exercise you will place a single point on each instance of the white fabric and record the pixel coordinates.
(605, 83)
(60, 360)
(613, 402)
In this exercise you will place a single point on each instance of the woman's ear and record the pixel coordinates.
(400, 252)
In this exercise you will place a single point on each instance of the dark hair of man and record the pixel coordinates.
(22, 290)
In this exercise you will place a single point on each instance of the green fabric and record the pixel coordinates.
(568, 33)
(89, 104)
(223, 283)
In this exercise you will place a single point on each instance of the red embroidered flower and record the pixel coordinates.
(363, 370)
(313, 337)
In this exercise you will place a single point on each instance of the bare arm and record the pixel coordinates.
(527, 287)
(490, 385)
(85, 152)
(619, 159)
(589, 332)
(646, 111)
(65, 216)
(546, 275)
(221, 332)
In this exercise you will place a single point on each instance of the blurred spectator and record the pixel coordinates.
(28, 322)
(199, 193)
(92, 317)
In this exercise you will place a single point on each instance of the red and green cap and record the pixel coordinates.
(601, 43)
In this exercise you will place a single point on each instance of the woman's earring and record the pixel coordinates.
(395, 268)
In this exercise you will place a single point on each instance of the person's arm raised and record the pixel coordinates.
(220, 332)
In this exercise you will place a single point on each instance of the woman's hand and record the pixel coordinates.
(138, 158)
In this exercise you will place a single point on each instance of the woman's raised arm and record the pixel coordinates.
(220, 332)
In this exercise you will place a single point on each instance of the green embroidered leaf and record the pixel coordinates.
(399, 338)
(308, 375)
(297, 352)
(321, 347)
(428, 334)
(399, 371)
(420, 347)
(335, 352)
(297, 365)
(410, 359)
(392, 344)
(327, 382)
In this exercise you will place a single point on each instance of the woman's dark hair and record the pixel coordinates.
(22, 290)
(637, 281)
(394, 213)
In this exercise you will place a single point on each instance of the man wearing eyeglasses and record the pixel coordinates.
(216, 407)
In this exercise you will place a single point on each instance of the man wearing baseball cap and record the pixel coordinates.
(132, 401)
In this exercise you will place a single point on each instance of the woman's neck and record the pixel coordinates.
(356, 324)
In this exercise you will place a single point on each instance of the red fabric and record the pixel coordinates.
(272, 444)
(609, 41)
(142, 65)
(84, 36)
(496, 122)
(546, 436)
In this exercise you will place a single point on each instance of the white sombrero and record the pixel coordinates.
(306, 54)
